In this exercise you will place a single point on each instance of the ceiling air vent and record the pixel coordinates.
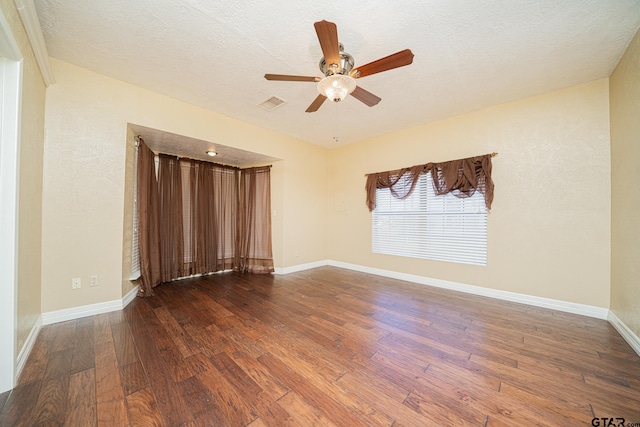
(271, 103)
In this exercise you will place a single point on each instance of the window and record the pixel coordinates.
(135, 245)
(426, 225)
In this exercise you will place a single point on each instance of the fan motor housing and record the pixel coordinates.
(344, 68)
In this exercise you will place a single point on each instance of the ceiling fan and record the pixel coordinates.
(339, 75)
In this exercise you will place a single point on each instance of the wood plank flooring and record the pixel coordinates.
(324, 347)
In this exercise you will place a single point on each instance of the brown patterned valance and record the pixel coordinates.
(462, 178)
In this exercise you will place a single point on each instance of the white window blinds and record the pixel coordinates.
(425, 225)
(135, 248)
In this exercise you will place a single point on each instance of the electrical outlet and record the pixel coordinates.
(95, 281)
(76, 283)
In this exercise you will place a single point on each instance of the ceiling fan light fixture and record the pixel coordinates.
(337, 67)
(336, 87)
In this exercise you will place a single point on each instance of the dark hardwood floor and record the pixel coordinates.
(325, 347)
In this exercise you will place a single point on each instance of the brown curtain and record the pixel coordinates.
(148, 220)
(170, 224)
(254, 250)
(189, 179)
(202, 217)
(462, 178)
(204, 220)
(214, 201)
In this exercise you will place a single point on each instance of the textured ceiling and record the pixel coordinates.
(468, 54)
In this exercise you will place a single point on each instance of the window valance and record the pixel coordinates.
(462, 178)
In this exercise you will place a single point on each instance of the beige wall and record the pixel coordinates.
(29, 181)
(87, 182)
(624, 85)
(549, 229)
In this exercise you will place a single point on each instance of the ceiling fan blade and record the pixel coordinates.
(365, 96)
(398, 59)
(287, 78)
(316, 104)
(328, 37)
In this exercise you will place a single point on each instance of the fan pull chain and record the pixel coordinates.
(335, 123)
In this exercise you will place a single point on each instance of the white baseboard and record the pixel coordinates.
(28, 345)
(626, 333)
(130, 296)
(300, 267)
(569, 307)
(73, 313)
